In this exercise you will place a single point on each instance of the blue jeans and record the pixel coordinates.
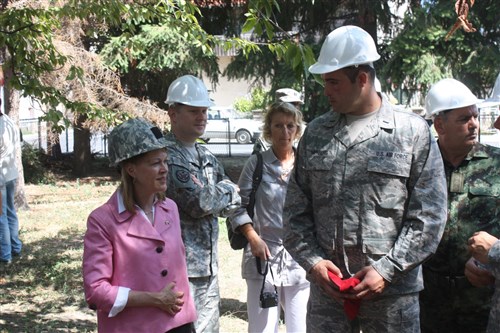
(9, 224)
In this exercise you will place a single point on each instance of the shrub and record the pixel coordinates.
(257, 101)
(35, 171)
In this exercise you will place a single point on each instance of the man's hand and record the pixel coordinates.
(480, 244)
(478, 277)
(319, 275)
(372, 284)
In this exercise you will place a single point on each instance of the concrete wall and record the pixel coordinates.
(225, 93)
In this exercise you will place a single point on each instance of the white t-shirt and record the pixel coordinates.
(355, 124)
(9, 141)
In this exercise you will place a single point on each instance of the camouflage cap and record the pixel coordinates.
(133, 137)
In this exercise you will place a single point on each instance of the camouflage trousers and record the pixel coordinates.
(453, 305)
(205, 292)
(390, 314)
(494, 319)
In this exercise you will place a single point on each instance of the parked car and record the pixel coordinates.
(227, 123)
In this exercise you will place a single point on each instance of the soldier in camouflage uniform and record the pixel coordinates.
(202, 191)
(367, 198)
(486, 249)
(450, 302)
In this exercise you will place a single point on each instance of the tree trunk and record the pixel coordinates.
(368, 18)
(81, 148)
(12, 102)
(53, 143)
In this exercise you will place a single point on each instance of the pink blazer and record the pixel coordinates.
(126, 250)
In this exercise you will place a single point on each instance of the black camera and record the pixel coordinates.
(268, 299)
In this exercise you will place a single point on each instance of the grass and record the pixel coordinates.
(42, 291)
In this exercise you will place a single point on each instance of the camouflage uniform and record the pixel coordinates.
(199, 207)
(494, 258)
(449, 302)
(379, 201)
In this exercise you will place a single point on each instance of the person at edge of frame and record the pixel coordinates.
(485, 248)
(10, 243)
(457, 293)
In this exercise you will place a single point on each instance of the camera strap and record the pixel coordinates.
(264, 274)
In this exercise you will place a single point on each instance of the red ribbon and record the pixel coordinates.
(351, 306)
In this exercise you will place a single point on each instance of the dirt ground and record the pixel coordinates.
(233, 166)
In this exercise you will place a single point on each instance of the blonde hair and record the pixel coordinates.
(127, 185)
(286, 108)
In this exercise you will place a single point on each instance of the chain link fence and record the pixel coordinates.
(36, 133)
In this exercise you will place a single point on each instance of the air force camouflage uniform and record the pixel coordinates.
(379, 201)
(449, 302)
(199, 205)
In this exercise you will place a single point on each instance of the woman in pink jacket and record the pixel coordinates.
(134, 265)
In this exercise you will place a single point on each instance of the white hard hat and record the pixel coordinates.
(494, 99)
(289, 95)
(345, 46)
(188, 90)
(448, 94)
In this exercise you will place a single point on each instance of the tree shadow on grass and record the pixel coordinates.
(233, 307)
(43, 290)
(30, 322)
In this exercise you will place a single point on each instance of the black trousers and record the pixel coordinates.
(187, 328)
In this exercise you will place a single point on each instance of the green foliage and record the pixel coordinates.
(28, 35)
(34, 168)
(419, 56)
(258, 100)
(150, 43)
(243, 104)
(282, 44)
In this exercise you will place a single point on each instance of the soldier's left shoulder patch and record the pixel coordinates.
(182, 178)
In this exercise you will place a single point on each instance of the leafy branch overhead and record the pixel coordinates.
(113, 59)
(46, 60)
(285, 45)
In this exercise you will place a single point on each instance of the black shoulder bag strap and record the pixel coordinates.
(256, 178)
